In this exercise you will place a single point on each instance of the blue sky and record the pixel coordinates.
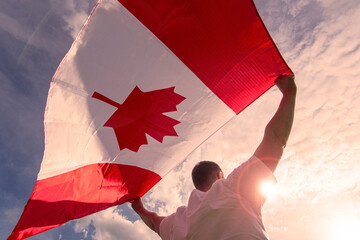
(318, 178)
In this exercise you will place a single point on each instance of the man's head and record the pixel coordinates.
(204, 174)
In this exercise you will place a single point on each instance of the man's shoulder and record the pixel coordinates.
(242, 167)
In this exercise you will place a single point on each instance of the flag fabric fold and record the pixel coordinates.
(144, 84)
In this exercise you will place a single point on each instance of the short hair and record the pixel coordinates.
(204, 174)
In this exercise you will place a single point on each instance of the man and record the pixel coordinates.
(230, 208)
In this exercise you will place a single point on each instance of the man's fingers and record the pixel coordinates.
(132, 201)
(288, 77)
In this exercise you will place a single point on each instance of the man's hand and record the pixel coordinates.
(151, 219)
(137, 204)
(286, 84)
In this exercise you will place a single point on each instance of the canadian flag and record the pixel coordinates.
(144, 83)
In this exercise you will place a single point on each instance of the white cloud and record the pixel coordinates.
(41, 27)
(76, 14)
(11, 25)
(110, 224)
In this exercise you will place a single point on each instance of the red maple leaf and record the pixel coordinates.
(142, 112)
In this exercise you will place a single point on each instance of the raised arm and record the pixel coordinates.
(278, 129)
(151, 219)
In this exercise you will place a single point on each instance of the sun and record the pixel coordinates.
(266, 187)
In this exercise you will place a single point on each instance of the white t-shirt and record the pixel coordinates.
(230, 210)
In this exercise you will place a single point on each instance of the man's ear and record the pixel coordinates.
(220, 175)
